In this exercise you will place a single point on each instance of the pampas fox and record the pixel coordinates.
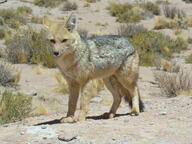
(111, 58)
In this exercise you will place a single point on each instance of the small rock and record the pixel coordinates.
(44, 138)
(67, 137)
(44, 127)
(22, 133)
(163, 113)
(32, 93)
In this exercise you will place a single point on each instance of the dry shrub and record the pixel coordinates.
(151, 45)
(48, 3)
(14, 107)
(127, 12)
(9, 75)
(174, 83)
(69, 6)
(188, 59)
(188, 1)
(172, 12)
(15, 17)
(92, 1)
(189, 40)
(29, 46)
(130, 30)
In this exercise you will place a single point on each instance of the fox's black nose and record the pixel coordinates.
(56, 53)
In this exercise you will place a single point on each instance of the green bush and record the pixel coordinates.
(153, 44)
(14, 107)
(48, 3)
(28, 46)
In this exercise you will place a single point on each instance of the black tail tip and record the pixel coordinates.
(141, 106)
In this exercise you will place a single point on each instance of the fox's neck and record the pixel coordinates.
(68, 61)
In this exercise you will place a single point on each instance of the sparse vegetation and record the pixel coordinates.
(8, 75)
(153, 44)
(174, 83)
(14, 107)
(189, 59)
(133, 12)
(69, 6)
(27, 46)
(48, 3)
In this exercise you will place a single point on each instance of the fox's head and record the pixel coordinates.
(63, 36)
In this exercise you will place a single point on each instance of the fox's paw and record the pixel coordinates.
(69, 119)
(134, 113)
(80, 118)
(108, 115)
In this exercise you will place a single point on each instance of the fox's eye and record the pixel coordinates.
(52, 41)
(64, 40)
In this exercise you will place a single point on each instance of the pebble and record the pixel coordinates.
(22, 133)
(44, 127)
(68, 136)
(163, 113)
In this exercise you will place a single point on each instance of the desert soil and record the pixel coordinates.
(165, 120)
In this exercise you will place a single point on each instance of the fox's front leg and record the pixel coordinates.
(87, 93)
(74, 88)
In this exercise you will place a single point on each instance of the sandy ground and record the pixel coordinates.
(165, 120)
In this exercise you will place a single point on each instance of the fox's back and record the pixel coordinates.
(108, 51)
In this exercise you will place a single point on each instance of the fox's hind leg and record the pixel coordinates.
(114, 87)
(128, 75)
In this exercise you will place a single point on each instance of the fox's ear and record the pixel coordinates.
(71, 22)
